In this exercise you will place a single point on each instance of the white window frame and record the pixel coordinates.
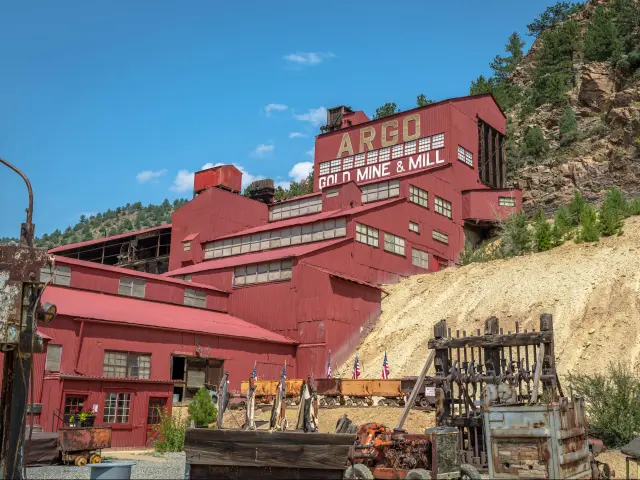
(420, 258)
(380, 191)
(439, 236)
(132, 287)
(295, 208)
(274, 271)
(507, 202)
(129, 361)
(54, 358)
(465, 156)
(367, 235)
(443, 207)
(332, 192)
(195, 298)
(186, 246)
(418, 196)
(120, 404)
(394, 244)
(414, 227)
(61, 275)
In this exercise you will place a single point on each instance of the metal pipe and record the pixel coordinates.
(26, 180)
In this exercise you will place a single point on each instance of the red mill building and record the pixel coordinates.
(248, 279)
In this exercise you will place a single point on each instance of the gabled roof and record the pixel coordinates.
(131, 311)
(343, 276)
(133, 273)
(72, 246)
(258, 257)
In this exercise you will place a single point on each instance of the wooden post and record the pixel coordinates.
(503, 163)
(536, 377)
(416, 388)
(490, 156)
(481, 150)
(492, 354)
(495, 180)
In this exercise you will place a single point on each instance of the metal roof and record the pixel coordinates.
(66, 376)
(258, 257)
(134, 273)
(137, 312)
(72, 246)
(345, 277)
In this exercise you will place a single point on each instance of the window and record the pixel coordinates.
(359, 160)
(61, 275)
(418, 196)
(367, 235)
(332, 193)
(372, 157)
(465, 156)
(186, 278)
(54, 356)
(335, 165)
(385, 154)
(397, 151)
(440, 237)
(116, 407)
(73, 403)
(507, 201)
(347, 163)
(380, 191)
(263, 272)
(186, 246)
(443, 207)
(283, 237)
(126, 365)
(325, 168)
(195, 298)
(414, 227)
(437, 141)
(132, 287)
(295, 208)
(419, 258)
(154, 413)
(393, 244)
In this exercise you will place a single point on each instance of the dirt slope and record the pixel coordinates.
(592, 290)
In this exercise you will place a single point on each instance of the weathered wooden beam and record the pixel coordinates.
(204, 436)
(414, 393)
(503, 163)
(491, 154)
(206, 472)
(505, 340)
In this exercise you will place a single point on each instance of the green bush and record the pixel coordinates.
(479, 254)
(612, 213)
(202, 410)
(634, 207)
(589, 227)
(171, 431)
(576, 207)
(515, 235)
(542, 237)
(601, 37)
(612, 403)
(534, 143)
(568, 127)
(561, 225)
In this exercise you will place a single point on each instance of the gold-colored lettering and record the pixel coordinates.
(406, 136)
(393, 133)
(367, 134)
(345, 146)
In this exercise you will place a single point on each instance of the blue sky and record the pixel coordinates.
(108, 102)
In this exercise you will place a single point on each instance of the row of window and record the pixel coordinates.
(284, 237)
(117, 407)
(436, 235)
(507, 201)
(295, 208)
(380, 191)
(383, 154)
(263, 272)
(465, 156)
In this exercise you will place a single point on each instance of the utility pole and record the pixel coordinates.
(20, 308)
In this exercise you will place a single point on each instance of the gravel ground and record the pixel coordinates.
(169, 466)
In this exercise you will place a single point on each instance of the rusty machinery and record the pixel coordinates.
(20, 310)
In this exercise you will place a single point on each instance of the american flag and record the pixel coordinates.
(385, 367)
(254, 374)
(329, 367)
(284, 370)
(356, 368)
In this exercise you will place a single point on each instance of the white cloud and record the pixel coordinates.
(283, 183)
(308, 58)
(315, 116)
(311, 152)
(263, 149)
(277, 107)
(147, 175)
(301, 170)
(297, 135)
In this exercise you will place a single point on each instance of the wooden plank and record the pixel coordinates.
(200, 436)
(505, 340)
(538, 372)
(206, 472)
(321, 457)
(414, 393)
(490, 157)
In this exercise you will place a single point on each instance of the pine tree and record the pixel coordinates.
(202, 410)
(542, 233)
(601, 38)
(589, 228)
(612, 213)
(561, 225)
(386, 110)
(534, 144)
(504, 66)
(481, 85)
(515, 235)
(576, 208)
(422, 101)
(553, 15)
(568, 127)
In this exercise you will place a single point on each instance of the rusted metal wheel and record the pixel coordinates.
(469, 472)
(80, 461)
(417, 474)
(95, 459)
(358, 470)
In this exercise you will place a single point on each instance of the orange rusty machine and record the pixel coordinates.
(83, 444)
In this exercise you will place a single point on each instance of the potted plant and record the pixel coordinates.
(87, 417)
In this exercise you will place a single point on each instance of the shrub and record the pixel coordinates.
(515, 236)
(568, 127)
(171, 431)
(542, 238)
(612, 403)
(534, 143)
(634, 207)
(202, 410)
(576, 207)
(480, 254)
(589, 227)
(612, 212)
(561, 225)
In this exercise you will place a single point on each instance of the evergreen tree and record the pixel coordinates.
(561, 225)
(552, 16)
(202, 410)
(612, 213)
(568, 127)
(589, 228)
(481, 85)
(601, 38)
(577, 206)
(542, 237)
(534, 144)
(515, 235)
(87, 235)
(127, 225)
(386, 110)
(421, 101)
(504, 66)
(113, 231)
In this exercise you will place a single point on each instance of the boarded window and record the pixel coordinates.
(61, 275)
(443, 207)
(507, 201)
(414, 227)
(132, 287)
(419, 258)
(441, 237)
(54, 357)
(332, 193)
(263, 272)
(126, 365)
(116, 407)
(380, 191)
(367, 235)
(393, 244)
(195, 298)
(418, 196)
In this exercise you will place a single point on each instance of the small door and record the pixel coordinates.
(154, 416)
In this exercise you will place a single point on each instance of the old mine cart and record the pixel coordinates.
(80, 445)
(498, 394)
